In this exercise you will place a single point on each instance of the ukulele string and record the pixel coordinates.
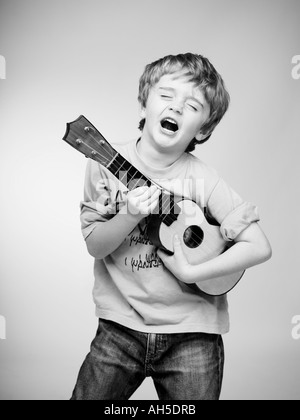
(167, 204)
(167, 208)
(116, 168)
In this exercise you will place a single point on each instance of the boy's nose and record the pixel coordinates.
(176, 107)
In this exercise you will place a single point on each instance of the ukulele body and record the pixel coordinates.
(201, 241)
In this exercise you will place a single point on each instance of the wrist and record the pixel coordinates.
(193, 274)
(131, 217)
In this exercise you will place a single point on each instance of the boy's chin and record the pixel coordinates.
(167, 138)
(166, 142)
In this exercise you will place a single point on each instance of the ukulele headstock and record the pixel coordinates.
(84, 137)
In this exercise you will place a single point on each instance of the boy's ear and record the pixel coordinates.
(201, 136)
(143, 112)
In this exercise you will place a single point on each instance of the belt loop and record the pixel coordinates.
(150, 352)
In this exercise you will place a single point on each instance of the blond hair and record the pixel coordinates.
(199, 71)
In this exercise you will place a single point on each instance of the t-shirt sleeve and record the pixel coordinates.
(98, 204)
(230, 210)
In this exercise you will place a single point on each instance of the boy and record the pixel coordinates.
(151, 322)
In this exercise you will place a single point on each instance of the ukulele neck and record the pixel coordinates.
(167, 209)
(84, 137)
(126, 173)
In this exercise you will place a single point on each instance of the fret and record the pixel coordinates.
(111, 162)
(129, 175)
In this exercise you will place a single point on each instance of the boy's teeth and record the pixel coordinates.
(169, 124)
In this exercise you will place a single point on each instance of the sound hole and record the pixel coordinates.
(193, 236)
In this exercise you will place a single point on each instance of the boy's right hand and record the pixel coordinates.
(141, 202)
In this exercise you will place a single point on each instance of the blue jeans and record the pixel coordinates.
(186, 366)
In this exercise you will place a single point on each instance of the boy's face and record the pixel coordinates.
(175, 112)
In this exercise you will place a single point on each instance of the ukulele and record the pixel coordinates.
(200, 235)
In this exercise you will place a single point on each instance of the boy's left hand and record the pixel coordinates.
(176, 263)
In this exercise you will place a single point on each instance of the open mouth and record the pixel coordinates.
(169, 125)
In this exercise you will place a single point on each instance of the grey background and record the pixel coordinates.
(66, 58)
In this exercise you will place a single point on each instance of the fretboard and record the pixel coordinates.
(132, 178)
(127, 173)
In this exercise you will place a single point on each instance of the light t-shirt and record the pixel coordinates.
(132, 286)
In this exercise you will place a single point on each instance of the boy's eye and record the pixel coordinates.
(193, 107)
(166, 96)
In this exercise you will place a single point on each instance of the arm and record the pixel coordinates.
(251, 248)
(108, 236)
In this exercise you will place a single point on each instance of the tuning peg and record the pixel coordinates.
(88, 129)
(94, 153)
(102, 142)
(78, 141)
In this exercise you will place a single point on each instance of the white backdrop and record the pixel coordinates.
(64, 58)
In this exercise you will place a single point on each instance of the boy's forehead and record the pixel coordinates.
(180, 81)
